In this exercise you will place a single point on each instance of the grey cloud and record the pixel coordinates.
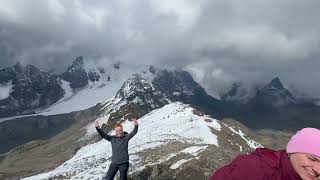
(219, 41)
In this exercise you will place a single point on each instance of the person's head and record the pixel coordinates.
(304, 153)
(118, 130)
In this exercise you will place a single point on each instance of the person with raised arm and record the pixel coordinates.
(119, 144)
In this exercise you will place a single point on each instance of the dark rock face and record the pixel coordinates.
(76, 74)
(6, 75)
(274, 95)
(93, 76)
(177, 85)
(180, 86)
(116, 65)
(152, 69)
(32, 89)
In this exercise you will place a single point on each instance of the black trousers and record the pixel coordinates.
(113, 168)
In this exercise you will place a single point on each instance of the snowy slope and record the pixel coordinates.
(95, 92)
(175, 122)
(5, 90)
(75, 101)
(83, 99)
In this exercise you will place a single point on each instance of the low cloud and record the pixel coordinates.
(219, 41)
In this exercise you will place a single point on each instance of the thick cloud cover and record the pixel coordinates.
(218, 41)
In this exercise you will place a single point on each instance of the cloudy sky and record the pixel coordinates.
(218, 41)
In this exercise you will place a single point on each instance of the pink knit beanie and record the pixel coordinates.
(306, 140)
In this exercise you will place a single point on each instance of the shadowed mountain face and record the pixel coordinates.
(274, 107)
(76, 74)
(274, 95)
(31, 89)
(180, 86)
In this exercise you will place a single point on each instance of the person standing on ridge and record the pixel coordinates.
(119, 143)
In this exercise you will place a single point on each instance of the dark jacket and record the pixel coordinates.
(119, 145)
(262, 164)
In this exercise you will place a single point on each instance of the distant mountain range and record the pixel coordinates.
(32, 90)
(85, 85)
(183, 134)
(272, 106)
(273, 94)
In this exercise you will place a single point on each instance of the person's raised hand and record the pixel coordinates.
(97, 124)
(135, 121)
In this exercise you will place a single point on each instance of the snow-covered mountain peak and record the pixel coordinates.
(140, 91)
(134, 84)
(275, 84)
(135, 91)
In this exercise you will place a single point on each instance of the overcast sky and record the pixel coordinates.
(218, 41)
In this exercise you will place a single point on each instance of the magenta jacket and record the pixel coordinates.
(262, 164)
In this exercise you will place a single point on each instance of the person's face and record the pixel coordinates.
(307, 166)
(118, 130)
